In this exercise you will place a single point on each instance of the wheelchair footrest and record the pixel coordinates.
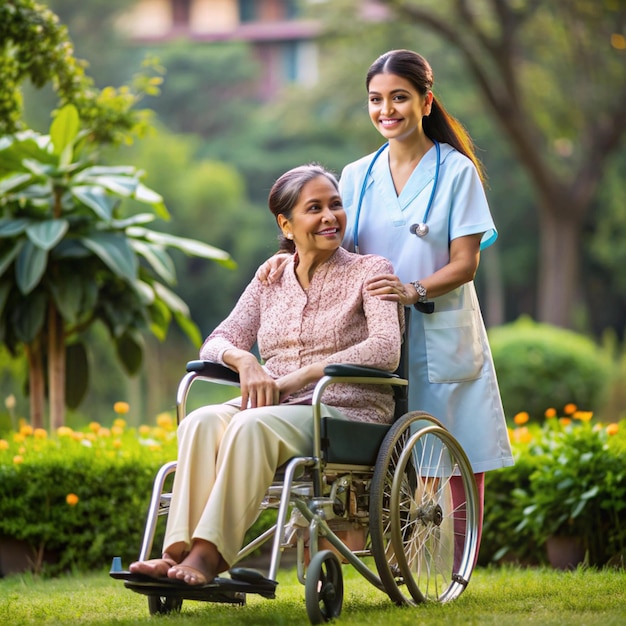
(233, 590)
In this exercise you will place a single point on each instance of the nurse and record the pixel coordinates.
(419, 201)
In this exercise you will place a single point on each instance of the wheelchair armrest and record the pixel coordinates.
(344, 369)
(212, 370)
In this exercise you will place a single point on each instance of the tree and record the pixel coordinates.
(69, 257)
(553, 74)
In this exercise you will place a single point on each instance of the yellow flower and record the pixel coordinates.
(144, 430)
(94, 427)
(18, 437)
(570, 408)
(22, 450)
(550, 413)
(612, 429)
(4, 444)
(121, 408)
(40, 433)
(17, 459)
(117, 431)
(64, 431)
(77, 435)
(164, 420)
(104, 432)
(26, 430)
(521, 418)
(119, 422)
(71, 499)
(117, 443)
(583, 416)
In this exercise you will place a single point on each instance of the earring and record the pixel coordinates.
(289, 236)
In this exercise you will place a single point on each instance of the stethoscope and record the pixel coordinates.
(421, 228)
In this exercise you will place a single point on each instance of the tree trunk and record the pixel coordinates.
(36, 386)
(559, 270)
(56, 368)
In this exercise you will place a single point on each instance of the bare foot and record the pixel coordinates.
(200, 566)
(155, 568)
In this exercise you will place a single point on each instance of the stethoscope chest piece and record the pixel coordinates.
(420, 229)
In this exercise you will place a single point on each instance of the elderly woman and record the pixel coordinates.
(318, 313)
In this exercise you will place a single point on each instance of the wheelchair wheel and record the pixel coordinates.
(162, 605)
(380, 503)
(433, 515)
(323, 587)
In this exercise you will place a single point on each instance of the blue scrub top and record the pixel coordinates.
(451, 376)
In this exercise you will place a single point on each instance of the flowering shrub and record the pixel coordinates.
(81, 496)
(569, 479)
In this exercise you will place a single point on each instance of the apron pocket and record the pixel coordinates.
(453, 348)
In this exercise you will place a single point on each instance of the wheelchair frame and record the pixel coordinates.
(424, 544)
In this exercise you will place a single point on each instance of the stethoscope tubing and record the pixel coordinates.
(364, 188)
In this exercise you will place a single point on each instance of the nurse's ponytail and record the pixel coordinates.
(439, 125)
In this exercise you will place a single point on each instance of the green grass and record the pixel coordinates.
(494, 597)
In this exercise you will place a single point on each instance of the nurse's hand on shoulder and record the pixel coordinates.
(390, 287)
(272, 269)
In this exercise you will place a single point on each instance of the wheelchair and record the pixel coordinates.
(393, 481)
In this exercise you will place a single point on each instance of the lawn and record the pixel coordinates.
(499, 596)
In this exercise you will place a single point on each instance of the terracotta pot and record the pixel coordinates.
(565, 552)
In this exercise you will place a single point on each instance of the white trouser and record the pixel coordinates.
(227, 459)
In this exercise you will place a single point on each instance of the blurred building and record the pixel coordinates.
(283, 39)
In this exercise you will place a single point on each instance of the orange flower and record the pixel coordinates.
(550, 413)
(17, 459)
(565, 421)
(18, 437)
(4, 444)
(117, 443)
(121, 408)
(119, 422)
(583, 416)
(64, 431)
(570, 408)
(144, 430)
(521, 418)
(612, 429)
(40, 433)
(94, 427)
(26, 430)
(71, 499)
(522, 435)
(164, 420)
(104, 432)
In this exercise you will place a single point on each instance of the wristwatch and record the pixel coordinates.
(421, 290)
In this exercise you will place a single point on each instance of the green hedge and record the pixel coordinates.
(541, 366)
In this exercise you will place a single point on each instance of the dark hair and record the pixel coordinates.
(439, 125)
(286, 191)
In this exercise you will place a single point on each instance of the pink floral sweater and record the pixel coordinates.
(334, 321)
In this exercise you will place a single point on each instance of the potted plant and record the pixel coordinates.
(574, 499)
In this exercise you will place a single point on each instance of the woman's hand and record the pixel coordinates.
(258, 388)
(390, 287)
(272, 269)
(294, 381)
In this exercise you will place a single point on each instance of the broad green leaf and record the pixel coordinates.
(174, 303)
(9, 256)
(118, 184)
(140, 218)
(68, 294)
(158, 259)
(8, 184)
(97, 199)
(160, 318)
(26, 145)
(148, 196)
(30, 266)
(46, 235)
(115, 252)
(109, 170)
(63, 131)
(70, 248)
(191, 247)
(76, 374)
(28, 316)
(145, 292)
(129, 350)
(190, 329)
(10, 227)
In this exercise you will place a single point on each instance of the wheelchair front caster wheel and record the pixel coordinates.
(162, 605)
(323, 588)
